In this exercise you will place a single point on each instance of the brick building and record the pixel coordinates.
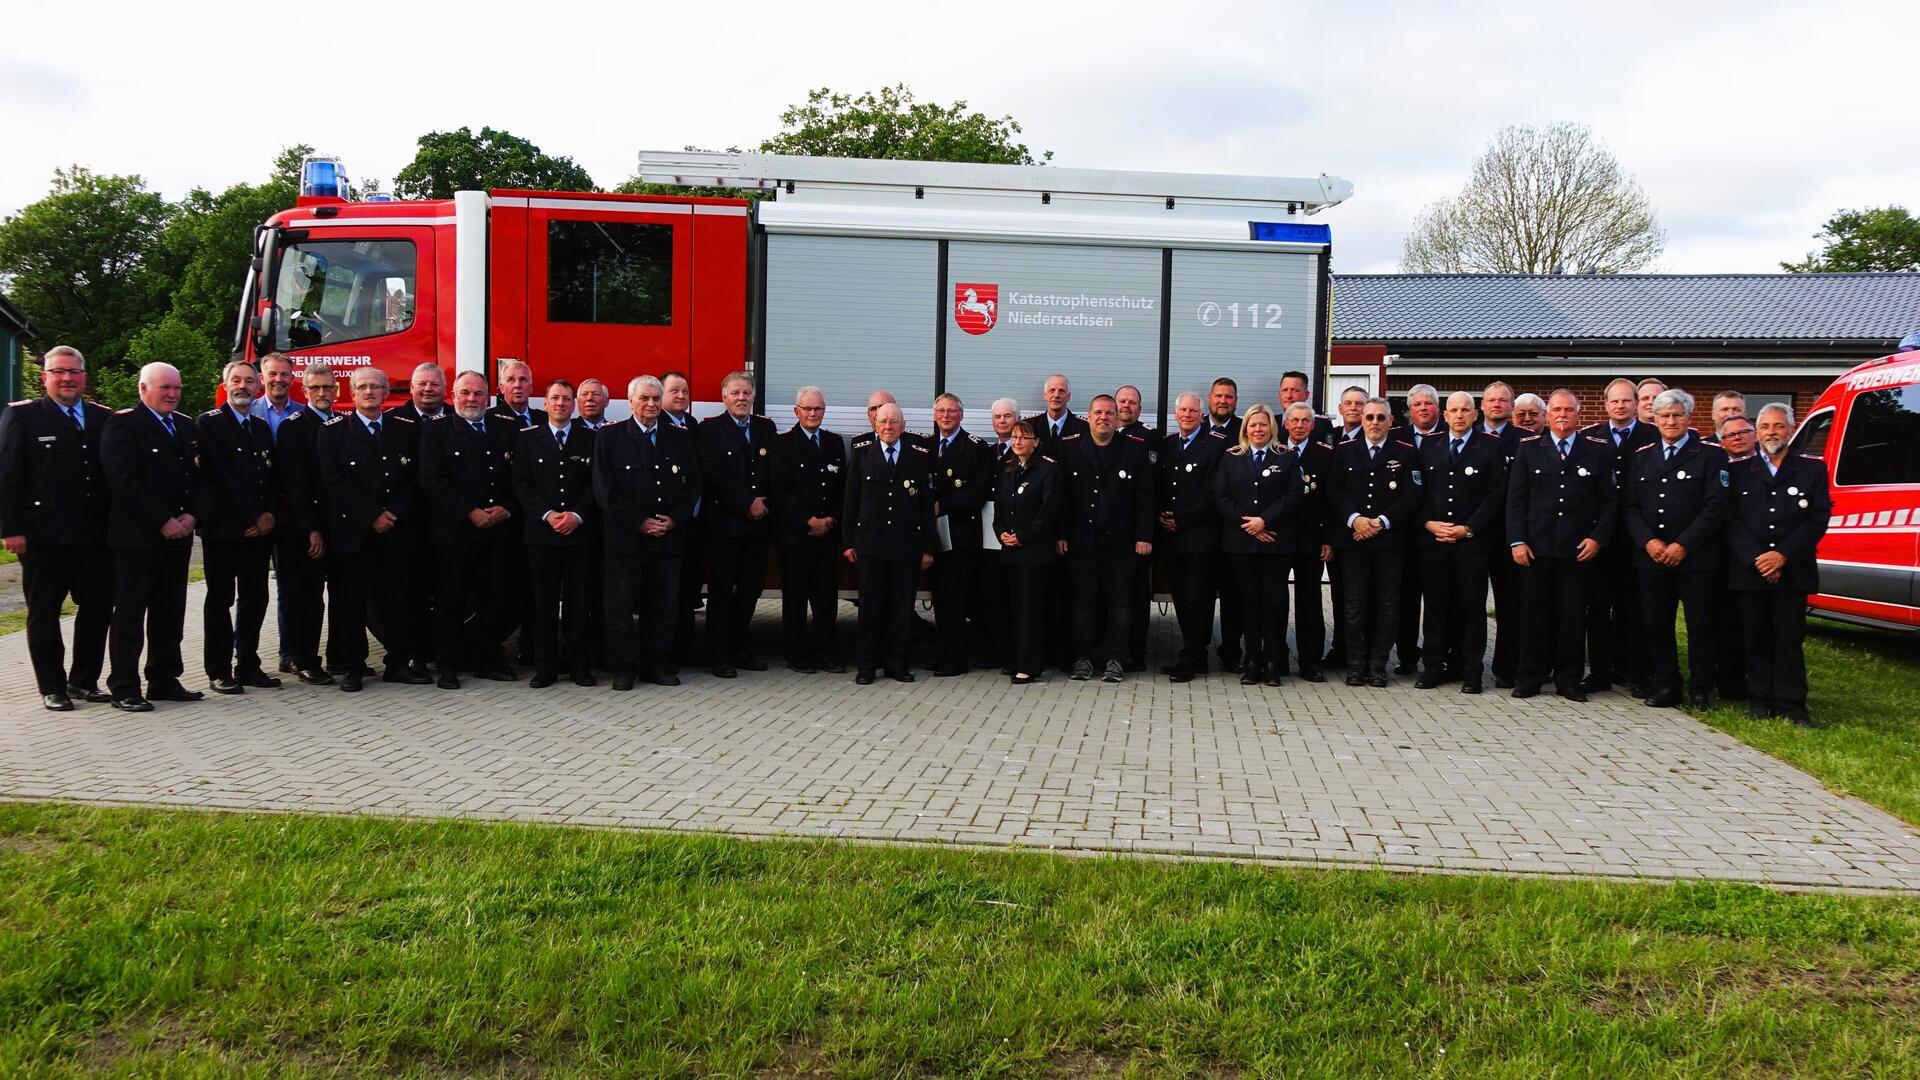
(1771, 336)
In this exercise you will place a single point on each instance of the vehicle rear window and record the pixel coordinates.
(1812, 437)
(609, 272)
(1881, 443)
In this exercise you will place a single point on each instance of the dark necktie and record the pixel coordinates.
(1670, 451)
(1456, 449)
(1259, 458)
(651, 441)
(1563, 448)
(478, 427)
(890, 451)
(943, 446)
(373, 429)
(1373, 454)
(246, 431)
(168, 421)
(560, 439)
(74, 412)
(746, 434)
(1620, 436)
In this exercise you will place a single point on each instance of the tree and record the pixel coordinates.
(210, 241)
(80, 263)
(1540, 200)
(891, 124)
(450, 161)
(1880, 238)
(168, 340)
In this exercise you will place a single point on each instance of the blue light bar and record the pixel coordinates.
(1289, 232)
(323, 178)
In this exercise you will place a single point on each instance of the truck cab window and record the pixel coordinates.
(333, 291)
(1881, 443)
(609, 272)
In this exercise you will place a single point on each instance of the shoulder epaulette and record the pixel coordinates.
(1529, 438)
(1601, 441)
(1215, 433)
(402, 419)
(1046, 459)
(1136, 438)
(215, 411)
(336, 419)
(123, 412)
(1070, 438)
(531, 427)
(22, 401)
(917, 446)
(1236, 449)
(1403, 442)
(431, 419)
(1646, 448)
(977, 440)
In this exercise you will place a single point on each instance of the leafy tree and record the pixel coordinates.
(169, 340)
(210, 241)
(450, 161)
(81, 262)
(1540, 200)
(1879, 238)
(891, 124)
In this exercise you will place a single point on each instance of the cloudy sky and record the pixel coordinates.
(1748, 124)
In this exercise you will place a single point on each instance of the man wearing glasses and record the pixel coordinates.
(53, 515)
(1736, 436)
(808, 482)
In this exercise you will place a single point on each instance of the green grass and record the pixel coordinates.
(1864, 693)
(7, 557)
(151, 943)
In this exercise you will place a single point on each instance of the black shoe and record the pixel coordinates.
(1230, 663)
(314, 676)
(624, 683)
(1526, 691)
(396, 674)
(583, 678)
(1178, 673)
(350, 682)
(1572, 693)
(1020, 680)
(1428, 680)
(259, 680)
(176, 692)
(1700, 701)
(900, 676)
(722, 671)
(1470, 686)
(749, 662)
(1274, 678)
(1249, 677)
(1377, 680)
(91, 694)
(1312, 674)
(1664, 699)
(495, 671)
(543, 680)
(834, 666)
(1404, 668)
(863, 677)
(948, 671)
(1503, 682)
(448, 680)
(1082, 670)
(224, 685)
(1356, 680)
(1593, 685)
(1115, 672)
(288, 667)
(802, 667)
(132, 703)
(418, 675)
(56, 702)
(661, 678)
(1641, 688)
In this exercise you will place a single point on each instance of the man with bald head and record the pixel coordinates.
(1465, 487)
(1188, 534)
(1058, 421)
(890, 537)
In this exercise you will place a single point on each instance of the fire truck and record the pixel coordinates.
(852, 275)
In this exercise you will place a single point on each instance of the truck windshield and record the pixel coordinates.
(331, 291)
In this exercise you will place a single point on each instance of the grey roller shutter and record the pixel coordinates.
(1247, 315)
(850, 315)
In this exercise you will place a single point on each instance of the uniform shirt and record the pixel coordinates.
(265, 409)
(366, 474)
(548, 480)
(808, 479)
(238, 480)
(463, 470)
(151, 474)
(888, 513)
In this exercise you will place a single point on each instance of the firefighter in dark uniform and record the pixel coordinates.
(1189, 538)
(148, 457)
(809, 488)
(737, 522)
(1256, 489)
(962, 483)
(553, 496)
(303, 557)
(676, 411)
(1373, 501)
(1561, 505)
(1423, 423)
(1777, 510)
(1223, 401)
(1311, 547)
(888, 525)
(1026, 511)
(1054, 424)
(1675, 506)
(1464, 475)
(466, 480)
(1504, 577)
(1058, 421)
(518, 404)
(1129, 402)
(239, 491)
(369, 465)
(1107, 511)
(1729, 637)
(646, 480)
(1296, 390)
(53, 515)
(1353, 401)
(1617, 647)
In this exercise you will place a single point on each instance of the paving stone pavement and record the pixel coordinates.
(1324, 774)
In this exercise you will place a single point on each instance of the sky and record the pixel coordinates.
(1748, 125)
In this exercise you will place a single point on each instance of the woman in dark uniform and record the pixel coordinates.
(1256, 488)
(1025, 505)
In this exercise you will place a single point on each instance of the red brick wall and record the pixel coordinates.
(1804, 388)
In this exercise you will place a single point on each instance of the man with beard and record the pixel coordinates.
(1736, 437)
(734, 471)
(466, 475)
(239, 491)
(1778, 505)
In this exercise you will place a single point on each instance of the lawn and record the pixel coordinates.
(151, 943)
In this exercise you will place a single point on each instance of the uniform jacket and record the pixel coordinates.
(1785, 512)
(962, 484)
(462, 470)
(1073, 424)
(1406, 434)
(548, 479)
(1186, 492)
(1026, 503)
(733, 474)
(1386, 486)
(51, 488)
(1142, 430)
(535, 414)
(634, 480)
(1643, 434)
(303, 495)
(1108, 507)
(1313, 461)
(1552, 504)
(239, 476)
(1272, 491)
(1683, 501)
(365, 475)
(807, 481)
(1470, 491)
(412, 412)
(889, 512)
(151, 476)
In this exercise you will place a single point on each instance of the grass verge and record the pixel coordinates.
(153, 943)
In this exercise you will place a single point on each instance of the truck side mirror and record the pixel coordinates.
(264, 327)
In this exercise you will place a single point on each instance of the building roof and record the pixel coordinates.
(1384, 308)
(12, 319)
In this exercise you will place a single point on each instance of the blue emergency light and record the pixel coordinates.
(1291, 232)
(323, 178)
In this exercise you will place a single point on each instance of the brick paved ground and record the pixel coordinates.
(1323, 774)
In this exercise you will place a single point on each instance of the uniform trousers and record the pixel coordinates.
(1309, 621)
(302, 588)
(1662, 592)
(1776, 634)
(1729, 643)
(810, 598)
(150, 609)
(561, 579)
(230, 639)
(693, 577)
(1232, 614)
(1617, 647)
(49, 573)
(1025, 624)
(378, 584)
(885, 626)
(736, 576)
(1142, 614)
(992, 645)
(645, 587)
(1372, 606)
(474, 610)
(1556, 604)
(1455, 589)
(1102, 586)
(955, 583)
(1338, 650)
(1263, 586)
(1407, 635)
(1507, 579)
(1191, 576)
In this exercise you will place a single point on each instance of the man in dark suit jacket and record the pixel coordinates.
(808, 482)
(1504, 577)
(1464, 476)
(1188, 540)
(1110, 500)
(302, 555)
(962, 482)
(1561, 505)
(646, 481)
(676, 411)
(1141, 614)
(737, 522)
(1423, 423)
(553, 496)
(53, 515)
(1345, 429)
(369, 466)
(427, 394)
(147, 454)
(1296, 390)
(1777, 510)
(517, 403)
(1058, 421)
(1617, 647)
(466, 480)
(888, 527)
(1312, 546)
(1373, 499)
(239, 492)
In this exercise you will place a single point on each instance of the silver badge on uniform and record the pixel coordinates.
(1791, 490)
(1680, 475)
(1803, 504)
(1584, 472)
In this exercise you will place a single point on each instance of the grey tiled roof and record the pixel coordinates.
(1802, 307)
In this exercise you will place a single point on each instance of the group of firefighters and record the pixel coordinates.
(453, 523)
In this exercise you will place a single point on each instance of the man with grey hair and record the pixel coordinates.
(516, 395)
(646, 480)
(1423, 423)
(301, 556)
(148, 456)
(888, 530)
(240, 489)
(1616, 640)
(591, 397)
(1503, 577)
(734, 471)
(1005, 413)
(1373, 495)
(1726, 405)
(53, 516)
(1530, 413)
(962, 482)
(1674, 502)
(1189, 529)
(807, 482)
(473, 527)
(1778, 508)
